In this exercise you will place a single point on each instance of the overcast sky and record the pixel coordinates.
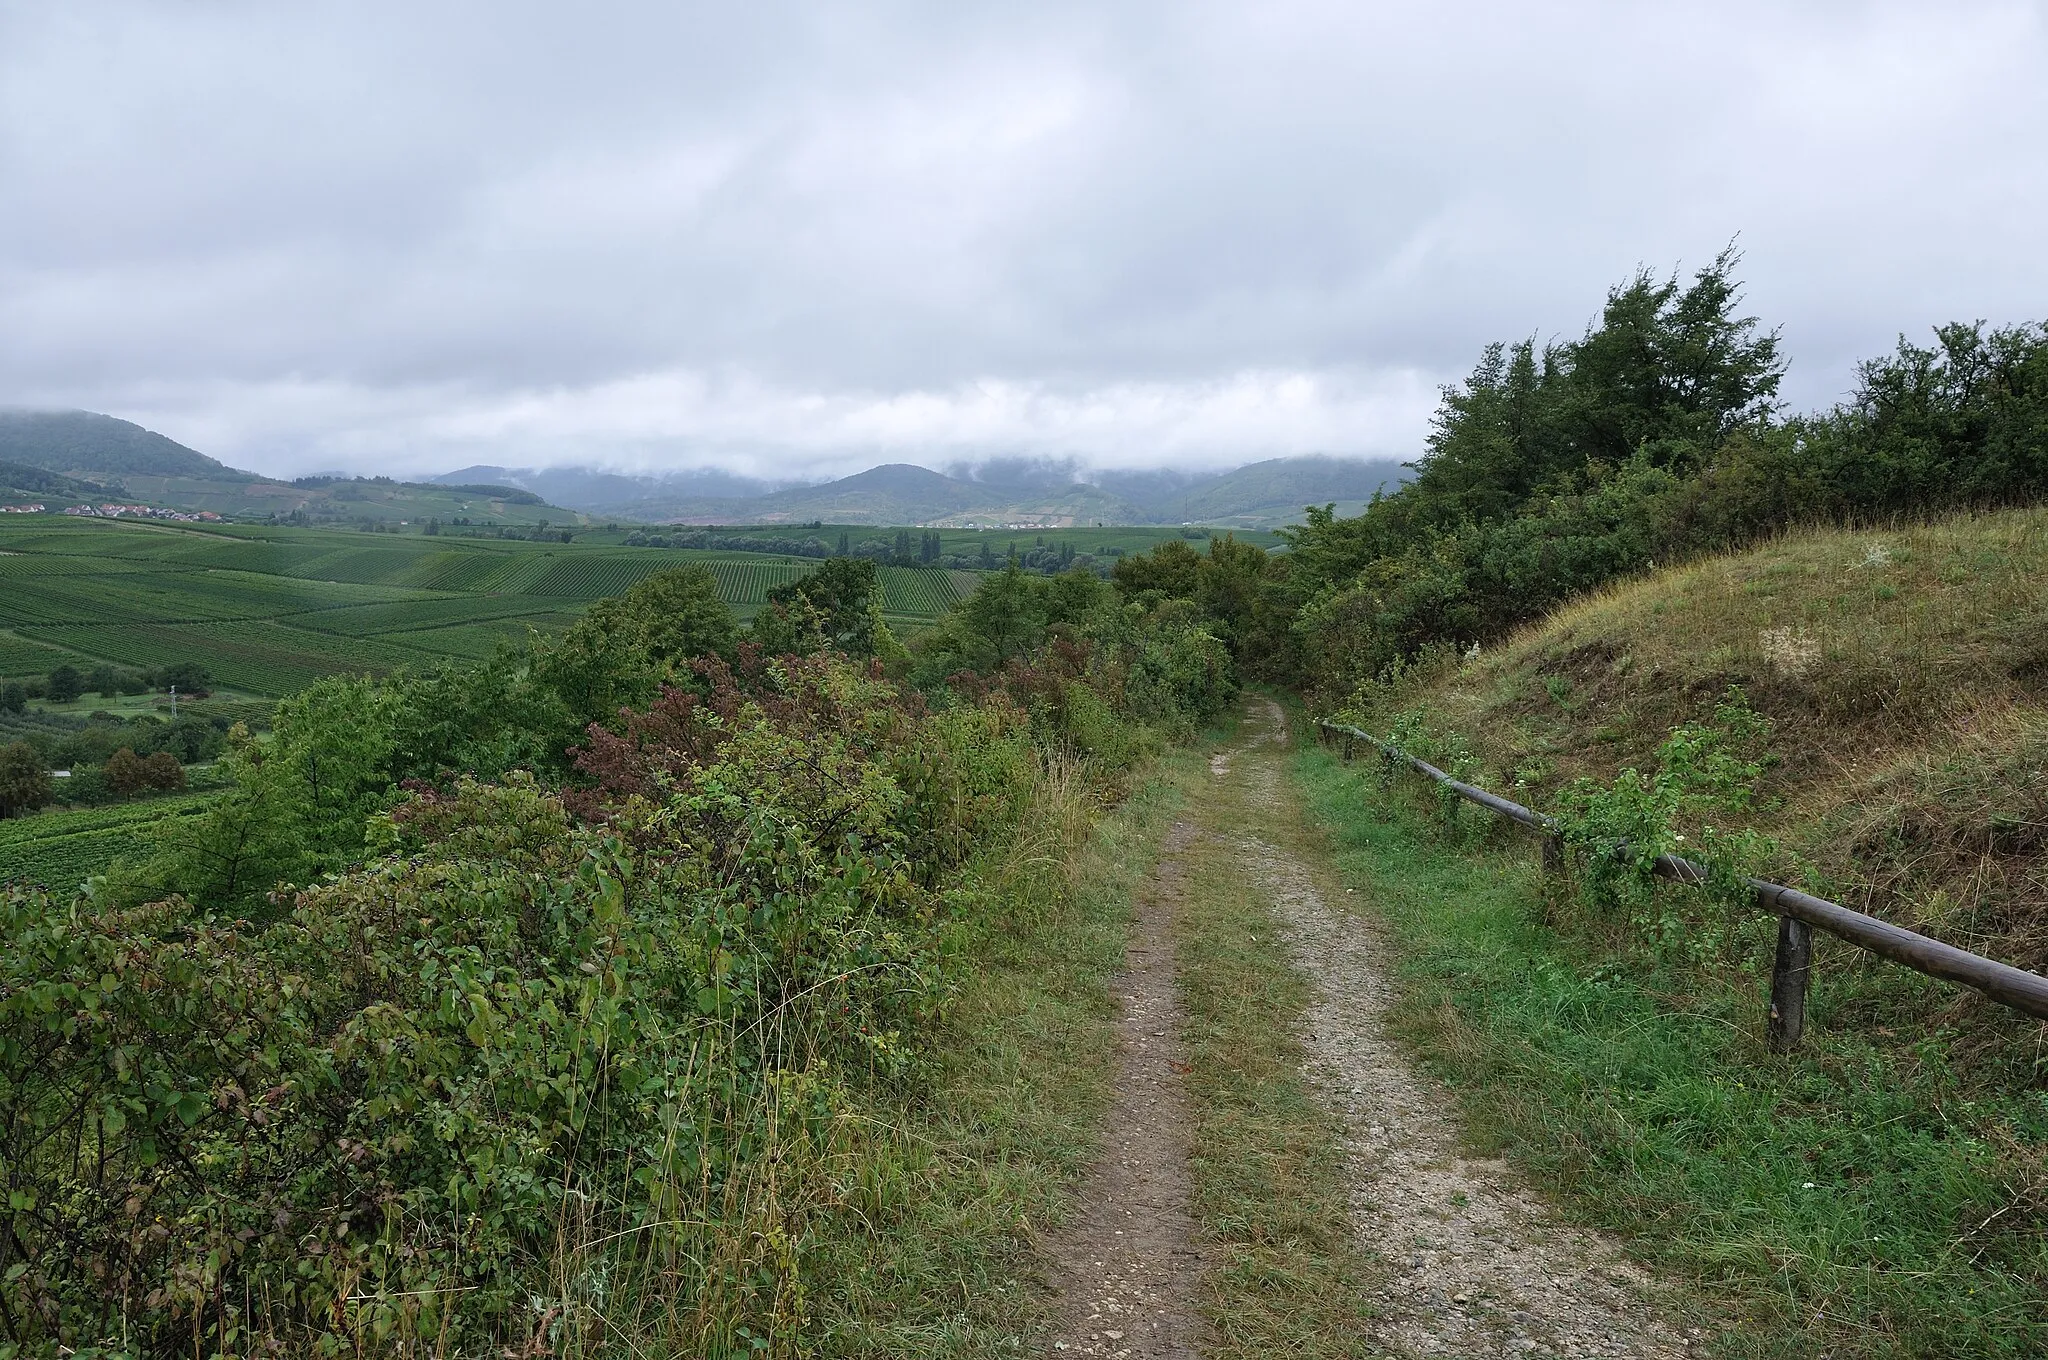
(797, 240)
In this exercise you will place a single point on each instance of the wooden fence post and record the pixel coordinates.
(1788, 983)
(1347, 747)
(1553, 855)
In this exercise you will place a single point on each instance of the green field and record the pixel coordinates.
(61, 849)
(1112, 540)
(269, 609)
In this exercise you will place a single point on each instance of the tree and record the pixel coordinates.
(188, 677)
(24, 784)
(1170, 571)
(619, 653)
(161, 770)
(1004, 613)
(795, 628)
(846, 592)
(13, 697)
(671, 617)
(125, 773)
(66, 684)
(105, 681)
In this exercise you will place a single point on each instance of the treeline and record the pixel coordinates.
(558, 1004)
(1656, 436)
(66, 683)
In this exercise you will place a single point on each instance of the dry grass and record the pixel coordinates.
(1905, 672)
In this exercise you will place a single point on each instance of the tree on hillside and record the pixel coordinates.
(1170, 571)
(161, 770)
(1004, 613)
(1962, 422)
(124, 773)
(189, 677)
(620, 652)
(846, 593)
(24, 784)
(13, 697)
(1668, 373)
(65, 685)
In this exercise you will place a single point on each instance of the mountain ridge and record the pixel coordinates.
(1017, 493)
(1011, 492)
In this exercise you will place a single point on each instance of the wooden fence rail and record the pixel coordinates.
(1798, 913)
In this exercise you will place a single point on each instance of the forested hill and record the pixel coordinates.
(1655, 437)
(99, 448)
(19, 484)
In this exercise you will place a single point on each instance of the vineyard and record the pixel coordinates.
(268, 610)
(63, 849)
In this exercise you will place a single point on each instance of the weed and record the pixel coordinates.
(1855, 1198)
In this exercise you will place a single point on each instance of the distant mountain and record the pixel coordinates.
(99, 448)
(1006, 491)
(610, 493)
(1276, 490)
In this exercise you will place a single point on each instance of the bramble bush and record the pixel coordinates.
(485, 1065)
(1705, 770)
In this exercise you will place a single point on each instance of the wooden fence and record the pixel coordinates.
(1799, 914)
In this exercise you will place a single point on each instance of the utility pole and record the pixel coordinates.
(174, 703)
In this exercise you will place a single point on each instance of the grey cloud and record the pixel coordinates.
(792, 238)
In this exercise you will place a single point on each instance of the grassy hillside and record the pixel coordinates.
(354, 500)
(1273, 492)
(83, 456)
(1905, 673)
(1879, 1192)
(268, 609)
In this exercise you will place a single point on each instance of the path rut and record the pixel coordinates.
(1126, 1266)
(1473, 1265)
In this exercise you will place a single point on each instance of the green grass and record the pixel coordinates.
(1860, 1197)
(1289, 1277)
(270, 609)
(959, 1184)
(1905, 672)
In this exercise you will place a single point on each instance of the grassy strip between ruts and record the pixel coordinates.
(1840, 1201)
(1287, 1274)
(968, 1177)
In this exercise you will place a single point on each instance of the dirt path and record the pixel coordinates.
(1126, 1266)
(1472, 1265)
(1475, 1266)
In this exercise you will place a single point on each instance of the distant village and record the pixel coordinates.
(111, 511)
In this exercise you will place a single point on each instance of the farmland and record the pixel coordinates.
(1107, 540)
(62, 849)
(269, 609)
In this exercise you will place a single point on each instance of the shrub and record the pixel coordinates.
(161, 770)
(125, 773)
(528, 1052)
(25, 784)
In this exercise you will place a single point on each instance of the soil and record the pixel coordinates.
(1127, 1266)
(1472, 1263)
